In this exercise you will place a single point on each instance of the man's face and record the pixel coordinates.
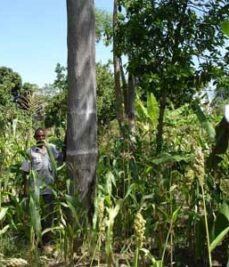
(40, 137)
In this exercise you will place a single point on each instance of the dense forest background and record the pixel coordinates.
(162, 187)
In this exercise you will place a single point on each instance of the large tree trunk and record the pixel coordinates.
(220, 146)
(129, 98)
(124, 86)
(81, 155)
(160, 126)
(131, 103)
(117, 71)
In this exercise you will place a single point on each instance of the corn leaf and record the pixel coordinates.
(113, 212)
(35, 190)
(219, 239)
(168, 158)
(35, 216)
(224, 209)
(154, 261)
(110, 180)
(4, 229)
(175, 214)
(3, 213)
(72, 204)
(52, 160)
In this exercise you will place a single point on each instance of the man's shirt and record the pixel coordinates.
(39, 161)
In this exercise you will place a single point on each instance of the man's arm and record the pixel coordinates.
(25, 183)
(57, 154)
(25, 168)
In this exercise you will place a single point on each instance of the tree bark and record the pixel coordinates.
(131, 103)
(220, 146)
(117, 71)
(81, 154)
(159, 137)
(124, 86)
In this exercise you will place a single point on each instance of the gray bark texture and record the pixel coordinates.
(81, 154)
(130, 102)
(160, 125)
(117, 71)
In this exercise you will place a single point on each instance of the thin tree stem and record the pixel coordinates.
(206, 227)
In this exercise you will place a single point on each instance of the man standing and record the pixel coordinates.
(41, 159)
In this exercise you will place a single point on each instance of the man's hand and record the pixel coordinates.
(25, 183)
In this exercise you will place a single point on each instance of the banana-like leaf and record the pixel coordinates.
(204, 121)
(225, 27)
(153, 109)
(149, 113)
(219, 239)
(141, 110)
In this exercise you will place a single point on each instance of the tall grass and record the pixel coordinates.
(144, 202)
